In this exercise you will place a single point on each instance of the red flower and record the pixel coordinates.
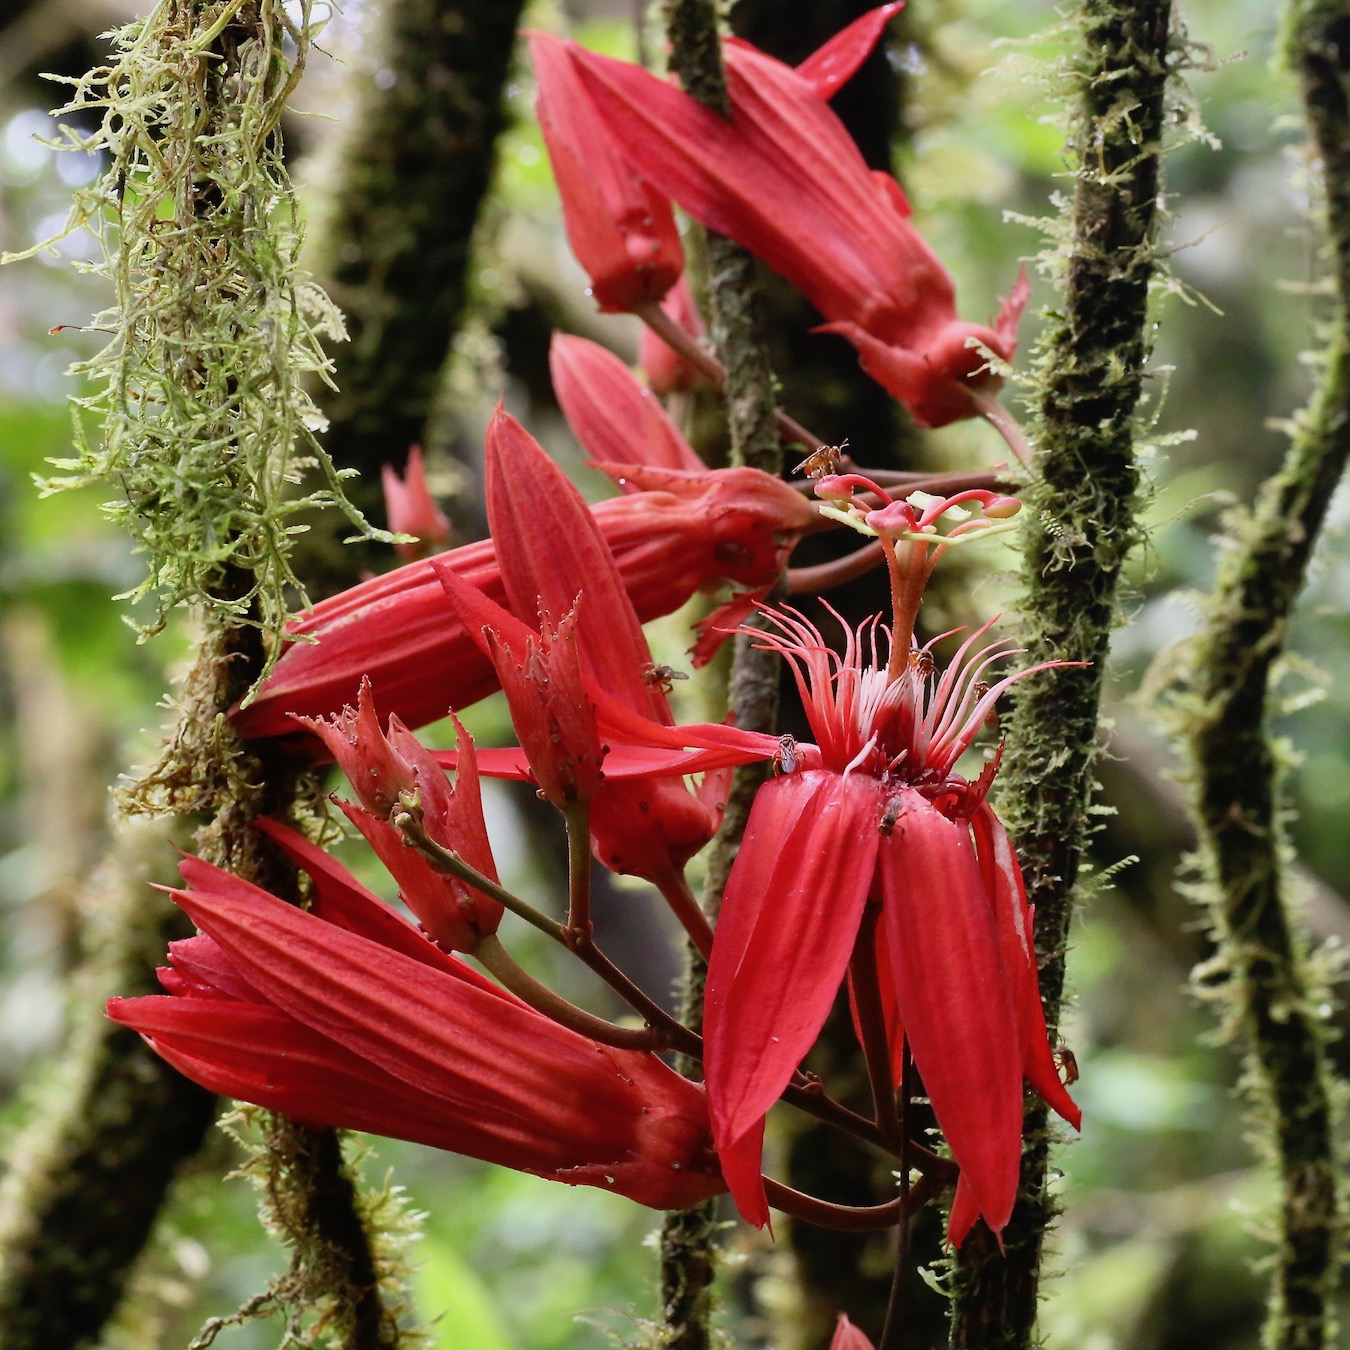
(686, 533)
(875, 810)
(784, 178)
(622, 231)
(383, 767)
(346, 1016)
(617, 421)
(553, 554)
(411, 508)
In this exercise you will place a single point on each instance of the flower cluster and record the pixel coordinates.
(872, 859)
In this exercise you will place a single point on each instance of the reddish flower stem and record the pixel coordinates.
(851, 1218)
(711, 368)
(579, 926)
(684, 903)
(445, 860)
(811, 580)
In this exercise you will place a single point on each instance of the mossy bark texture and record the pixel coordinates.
(211, 173)
(1261, 963)
(1081, 525)
(688, 1238)
(89, 1172)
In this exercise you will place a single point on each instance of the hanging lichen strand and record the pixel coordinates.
(199, 393)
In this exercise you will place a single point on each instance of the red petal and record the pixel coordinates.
(835, 62)
(622, 232)
(610, 413)
(741, 1162)
(787, 928)
(954, 997)
(552, 551)
(965, 1210)
(846, 1335)
(1003, 879)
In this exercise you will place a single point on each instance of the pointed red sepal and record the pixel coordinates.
(621, 230)
(1003, 880)
(741, 1161)
(610, 413)
(954, 996)
(965, 1211)
(354, 738)
(454, 914)
(552, 551)
(667, 371)
(411, 509)
(788, 924)
(846, 1335)
(834, 63)
(722, 623)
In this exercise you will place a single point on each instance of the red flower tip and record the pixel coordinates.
(835, 62)
(411, 508)
(377, 772)
(550, 710)
(621, 230)
(616, 420)
(846, 1335)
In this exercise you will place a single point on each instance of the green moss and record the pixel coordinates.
(203, 424)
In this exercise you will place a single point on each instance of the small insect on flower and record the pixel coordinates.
(890, 813)
(822, 462)
(663, 677)
(1066, 1063)
(785, 757)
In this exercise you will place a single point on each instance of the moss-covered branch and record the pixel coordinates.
(88, 1173)
(1261, 965)
(688, 1239)
(1082, 524)
(203, 406)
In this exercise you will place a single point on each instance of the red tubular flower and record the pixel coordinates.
(877, 809)
(338, 1018)
(412, 510)
(552, 552)
(784, 178)
(667, 371)
(684, 533)
(616, 420)
(621, 230)
(382, 768)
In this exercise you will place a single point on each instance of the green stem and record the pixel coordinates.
(579, 927)
(1235, 784)
(497, 961)
(409, 824)
(1081, 525)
